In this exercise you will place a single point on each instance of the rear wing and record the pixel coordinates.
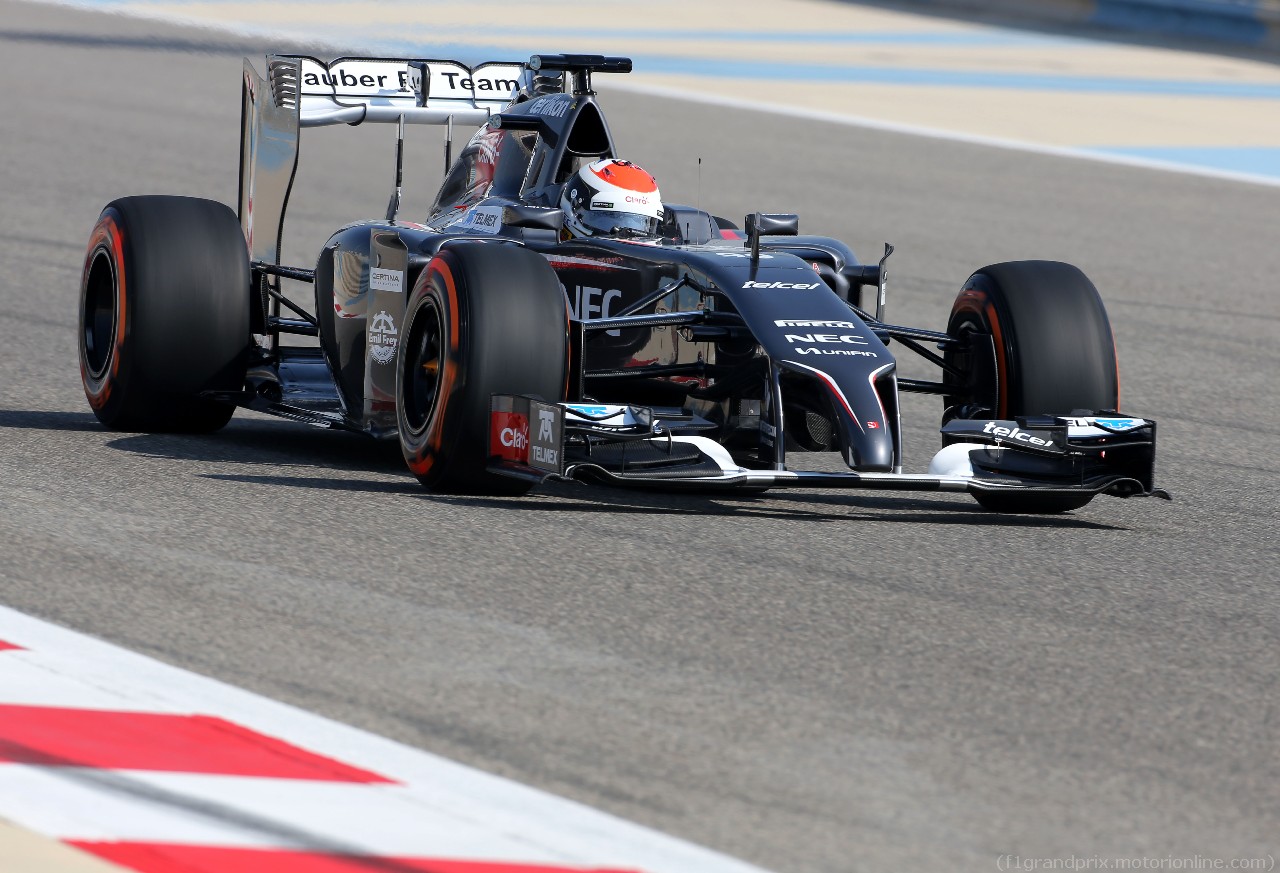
(301, 91)
(355, 90)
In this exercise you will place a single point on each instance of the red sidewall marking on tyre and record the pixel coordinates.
(106, 231)
(1002, 362)
(425, 456)
(979, 303)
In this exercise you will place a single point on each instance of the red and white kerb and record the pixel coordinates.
(159, 770)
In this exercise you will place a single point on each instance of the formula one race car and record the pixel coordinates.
(502, 350)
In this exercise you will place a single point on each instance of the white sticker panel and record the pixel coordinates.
(358, 78)
(386, 280)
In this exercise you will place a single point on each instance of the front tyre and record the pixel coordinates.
(1038, 343)
(483, 319)
(164, 314)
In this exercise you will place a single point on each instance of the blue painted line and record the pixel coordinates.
(861, 74)
(1232, 159)
(855, 74)
(992, 38)
(835, 73)
(1238, 21)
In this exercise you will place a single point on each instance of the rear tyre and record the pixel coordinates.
(483, 319)
(164, 314)
(1053, 355)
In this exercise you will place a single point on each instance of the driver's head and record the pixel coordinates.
(607, 196)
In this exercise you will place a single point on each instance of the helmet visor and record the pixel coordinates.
(610, 221)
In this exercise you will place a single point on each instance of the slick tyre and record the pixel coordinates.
(1053, 354)
(164, 314)
(482, 319)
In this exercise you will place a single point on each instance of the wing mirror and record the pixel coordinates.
(532, 217)
(772, 223)
(760, 224)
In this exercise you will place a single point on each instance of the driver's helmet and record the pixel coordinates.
(608, 196)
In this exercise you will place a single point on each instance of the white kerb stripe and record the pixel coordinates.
(532, 825)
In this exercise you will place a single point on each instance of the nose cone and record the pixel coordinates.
(868, 449)
(868, 431)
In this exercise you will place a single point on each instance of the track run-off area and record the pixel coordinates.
(805, 681)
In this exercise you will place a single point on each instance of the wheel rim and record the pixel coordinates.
(101, 310)
(964, 326)
(423, 367)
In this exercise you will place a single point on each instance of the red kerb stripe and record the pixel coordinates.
(170, 858)
(53, 736)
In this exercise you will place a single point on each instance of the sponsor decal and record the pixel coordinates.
(790, 323)
(484, 219)
(790, 286)
(489, 143)
(479, 82)
(764, 256)
(360, 78)
(515, 439)
(636, 198)
(453, 81)
(552, 106)
(1108, 423)
(1120, 423)
(386, 280)
(596, 411)
(873, 425)
(561, 262)
(826, 338)
(544, 449)
(768, 433)
(365, 78)
(850, 353)
(602, 204)
(382, 338)
(347, 81)
(995, 429)
(509, 436)
(590, 302)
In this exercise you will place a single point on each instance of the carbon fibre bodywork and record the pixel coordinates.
(780, 302)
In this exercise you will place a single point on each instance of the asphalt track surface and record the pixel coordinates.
(810, 681)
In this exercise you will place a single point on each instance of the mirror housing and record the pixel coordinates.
(760, 224)
(532, 217)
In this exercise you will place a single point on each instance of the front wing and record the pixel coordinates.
(650, 447)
